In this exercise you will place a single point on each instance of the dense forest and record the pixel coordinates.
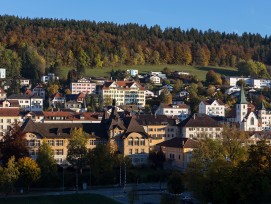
(29, 47)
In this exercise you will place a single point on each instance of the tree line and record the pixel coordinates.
(30, 46)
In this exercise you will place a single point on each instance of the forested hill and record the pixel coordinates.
(32, 45)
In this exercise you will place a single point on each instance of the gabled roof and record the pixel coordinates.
(179, 142)
(132, 125)
(211, 101)
(122, 84)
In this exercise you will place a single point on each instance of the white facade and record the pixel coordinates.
(149, 93)
(2, 73)
(181, 110)
(81, 86)
(51, 76)
(124, 92)
(8, 116)
(201, 132)
(28, 103)
(24, 82)
(132, 72)
(234, 80)
(261, 83)
(214, 108)
(232, 90)
(155, 80)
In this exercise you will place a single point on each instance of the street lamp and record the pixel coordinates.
(64, 165)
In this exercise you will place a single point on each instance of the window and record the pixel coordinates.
(252, 121)
(130, 151)
(136, 151)
(136, 142)
(59, 142)
(59, 152)
(130, 141)
(142, 142)
(51, 142)
(171, 156)
(92, 142)
(142, 151)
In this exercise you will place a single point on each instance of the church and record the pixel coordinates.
(250, 119)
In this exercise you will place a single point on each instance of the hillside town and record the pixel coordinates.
(139, 113)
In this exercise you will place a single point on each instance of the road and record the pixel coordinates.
(146, 193)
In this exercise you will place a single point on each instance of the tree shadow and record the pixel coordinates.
(223, 71)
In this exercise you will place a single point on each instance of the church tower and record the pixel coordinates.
(241, 106)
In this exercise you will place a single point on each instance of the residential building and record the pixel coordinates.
(56, 100)
(49, 77)
(234, 80)
(149, 94)
(182, 111)
(24, 82)
(83, 86)
(57, 136)
(127, 134)
(2, 73)
(178, 151)
(212, 108)
(155, 79)
(159, 128)
(28, 102)
(124, 93)
(8, 116)
(39, 90)
(261, 83)
(200, 126)
(132, 72)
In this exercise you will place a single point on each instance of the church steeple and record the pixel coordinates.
(242, 97)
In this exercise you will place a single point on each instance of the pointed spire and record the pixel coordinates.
(262, 107)
(242, 98)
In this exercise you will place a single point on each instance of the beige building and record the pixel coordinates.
(57, 135)
(8, 117)
(159, 127)
(124, 92)
(178, 151)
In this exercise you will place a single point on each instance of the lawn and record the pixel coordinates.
(61, 199)
(200, 72)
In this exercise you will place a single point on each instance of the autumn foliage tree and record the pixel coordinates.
(13, 144)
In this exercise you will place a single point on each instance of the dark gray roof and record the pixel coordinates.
(179, 142)
(23, 96)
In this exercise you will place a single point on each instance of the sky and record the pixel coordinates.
(228, 16)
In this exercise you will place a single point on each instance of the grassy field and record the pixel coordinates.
(61, 199)
(200, 72)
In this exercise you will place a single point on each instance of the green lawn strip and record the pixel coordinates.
(59, 199)
(200, 72)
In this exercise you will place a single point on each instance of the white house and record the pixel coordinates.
(8, 116)
(155, 79)
(212, 108)
(182, 111)
(261, 83)
(132, 72)
(149, 94)
(234, 80)
(2, 73)
(28, 102)
(24, 82)
(200, 126)
(50, 77)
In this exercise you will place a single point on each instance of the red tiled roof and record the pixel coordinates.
(9, 112)
(57, 114)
